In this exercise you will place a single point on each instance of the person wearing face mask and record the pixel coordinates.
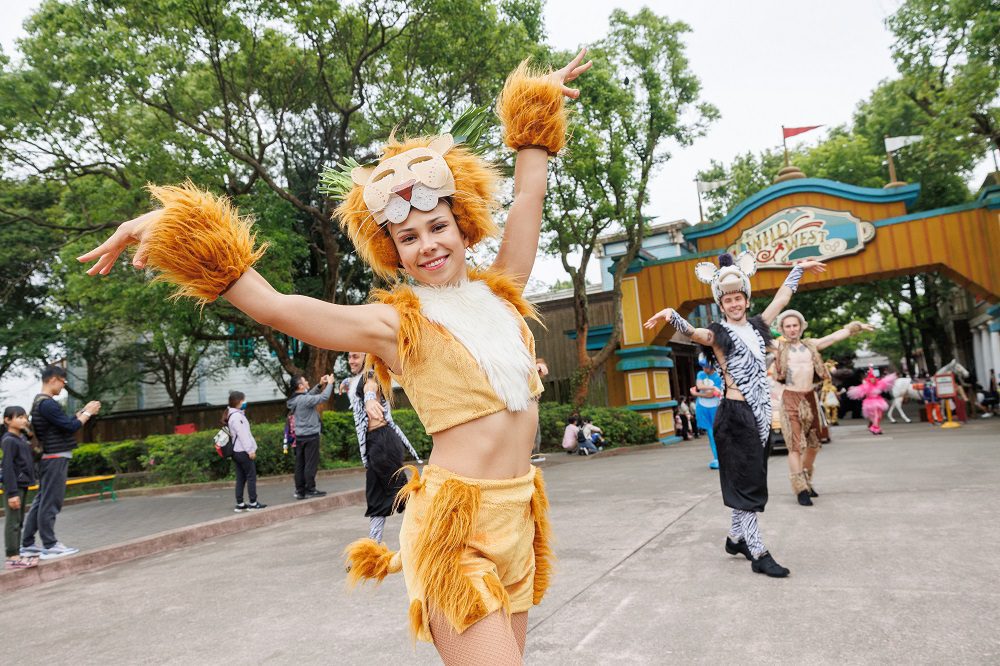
(474, 544)
(55, 431)
(244, 452)
(738, 345)
(798, 365)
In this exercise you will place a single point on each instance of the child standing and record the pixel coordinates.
(18, 474)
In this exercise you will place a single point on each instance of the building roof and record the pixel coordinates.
(653, 230)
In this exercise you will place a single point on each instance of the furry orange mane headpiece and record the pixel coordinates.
(473, 201)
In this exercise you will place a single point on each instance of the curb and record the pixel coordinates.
(182, 537)
(151, 491)
(172, 539)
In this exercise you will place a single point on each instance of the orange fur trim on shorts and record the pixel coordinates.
(368, 559)
(473, 205)
(199, 243)
(532, 110)
(437, 559)
(413, 485)
(498, 591)
(543, 537)
(416, 619)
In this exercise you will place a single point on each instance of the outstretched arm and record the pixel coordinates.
(372, 328)
(519, 245)
(790, 286)
(853, 328)
(702, 336)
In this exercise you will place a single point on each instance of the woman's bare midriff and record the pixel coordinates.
(497, 446)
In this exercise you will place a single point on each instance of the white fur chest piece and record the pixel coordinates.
(491, 332)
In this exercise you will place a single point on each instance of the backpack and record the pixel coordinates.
(580, 436)
(223, 441)
(36, 444)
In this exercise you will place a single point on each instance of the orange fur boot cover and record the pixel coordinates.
(199, 243)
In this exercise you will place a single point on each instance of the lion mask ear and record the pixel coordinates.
(442, 144)
(360, 175)
(705, 271)
(746, 263)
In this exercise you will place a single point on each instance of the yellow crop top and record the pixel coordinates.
(465, 351)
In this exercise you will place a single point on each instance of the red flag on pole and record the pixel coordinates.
(792, 131)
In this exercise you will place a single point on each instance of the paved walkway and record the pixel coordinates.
(888, 567)
(93, 524)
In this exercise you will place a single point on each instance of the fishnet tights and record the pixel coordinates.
(492, 640)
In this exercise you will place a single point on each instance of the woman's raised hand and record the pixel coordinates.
(664, 314)
(570, 72)
(126, 234)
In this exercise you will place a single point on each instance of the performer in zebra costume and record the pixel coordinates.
(743, 420)
(381, 442)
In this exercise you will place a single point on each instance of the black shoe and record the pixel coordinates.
(804, 498)
(737, 547)
(315, 493)
(299, 496)
(812, 492)
(253, 506)
(765, 564)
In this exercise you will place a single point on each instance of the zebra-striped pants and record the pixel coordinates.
(375, 526)
(745, 527)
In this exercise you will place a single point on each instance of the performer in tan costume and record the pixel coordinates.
(474, 541)
(798, 365)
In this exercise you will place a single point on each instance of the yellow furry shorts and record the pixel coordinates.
(468, 547)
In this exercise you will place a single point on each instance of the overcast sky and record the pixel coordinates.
(763, 64)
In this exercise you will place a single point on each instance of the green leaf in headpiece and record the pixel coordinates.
(470, 128)
(335, 181)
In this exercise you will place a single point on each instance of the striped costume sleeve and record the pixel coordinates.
(360, 419)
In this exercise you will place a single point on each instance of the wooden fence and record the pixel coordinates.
(142, 423)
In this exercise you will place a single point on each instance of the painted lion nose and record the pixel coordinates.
(405, 190)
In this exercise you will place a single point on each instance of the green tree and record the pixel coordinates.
(948, 55)
(251, 99)
(29, 229)
(640, 94)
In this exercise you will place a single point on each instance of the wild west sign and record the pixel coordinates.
(804, 232)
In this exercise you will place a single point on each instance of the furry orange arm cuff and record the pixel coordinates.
(199, 243)
(532, 111)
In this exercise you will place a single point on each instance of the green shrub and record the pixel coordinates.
(339, 440)
(176, 459)
(127, 456)
(411, 426)
(88, 460)
(270, 459)
(185, 458)
(621, 427)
